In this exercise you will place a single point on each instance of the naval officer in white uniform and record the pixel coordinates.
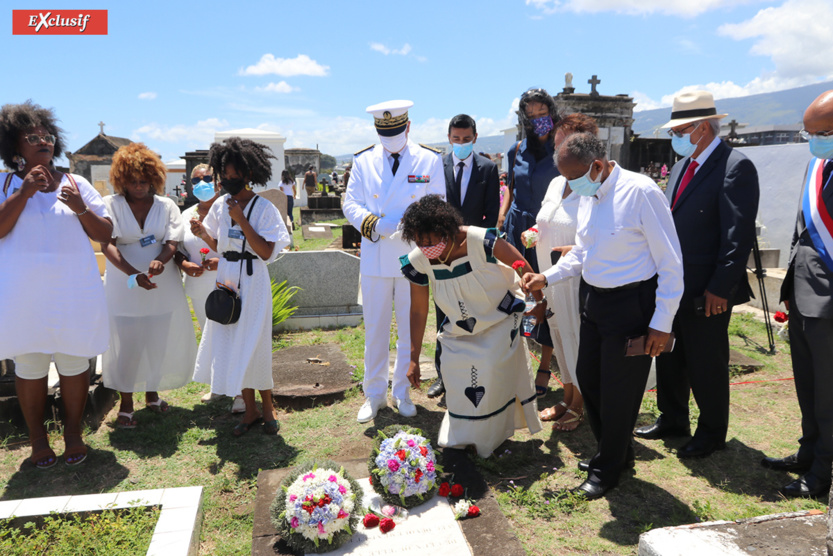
(386, 179)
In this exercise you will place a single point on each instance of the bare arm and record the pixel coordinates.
(37, 180)
(507, 254)
(504, 207)
(419, 316)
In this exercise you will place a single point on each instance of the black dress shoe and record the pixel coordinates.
(436, 389)
(789, 463)
(696, 448)
(807, 486)
(660, 430)
(591, 490)
(584, 465)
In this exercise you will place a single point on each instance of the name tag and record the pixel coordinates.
(419, 179)
(147, 240)
(234, 233)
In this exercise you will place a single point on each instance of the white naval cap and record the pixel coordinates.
(390, 117)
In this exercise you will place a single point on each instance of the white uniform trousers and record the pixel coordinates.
(380, 297)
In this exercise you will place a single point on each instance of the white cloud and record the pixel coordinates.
(199, 135)
(286, 67)
(796, 35)
(684, 8)
(150, 95)
(280, 87)
(379, 47)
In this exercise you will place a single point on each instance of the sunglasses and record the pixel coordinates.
(206, 179)
(36, 139)
(806, 134)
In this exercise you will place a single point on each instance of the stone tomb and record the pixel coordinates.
(321, 208)
(329, 282)
(310, 375)
(316, 232)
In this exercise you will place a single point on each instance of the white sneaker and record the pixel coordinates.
(369, 409)
(406, 407)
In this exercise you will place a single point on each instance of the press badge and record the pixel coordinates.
(147, 240)
(234, 233)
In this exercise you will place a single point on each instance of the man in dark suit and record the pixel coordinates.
(472, 187)
(807, 292)
(713, 194)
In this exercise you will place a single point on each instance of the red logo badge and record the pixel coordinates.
(59, 22)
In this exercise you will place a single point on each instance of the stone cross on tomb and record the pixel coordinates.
(593, 82)
(733, 125)
(101, 125)
(177, 190)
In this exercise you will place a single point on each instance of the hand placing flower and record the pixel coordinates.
(530, 237)
(203, 252)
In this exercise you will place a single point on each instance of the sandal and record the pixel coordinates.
(553, 413)
(126, 421)
(271, 427)
(242, 427)
(45, 457)
(74, 456)
(577, 418)
(159, 406)
(541, 391)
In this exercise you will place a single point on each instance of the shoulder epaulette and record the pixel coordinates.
(357, 153)
(432, 149)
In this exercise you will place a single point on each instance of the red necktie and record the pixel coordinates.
(689, 173)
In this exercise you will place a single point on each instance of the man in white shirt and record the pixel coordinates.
(385, 180)
(628, 256)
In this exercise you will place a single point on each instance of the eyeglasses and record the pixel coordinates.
(806, 134)
(206, 179)
(675, 133)
(36, 139)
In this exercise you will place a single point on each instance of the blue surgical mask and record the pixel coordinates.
(683, 145)
(821, 147)
(204, 191)
(462, 151)
(584, 185)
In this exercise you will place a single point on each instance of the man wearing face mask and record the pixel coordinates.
(386, 179)
(628, 256)
(807, 293)
(713, 193)
(473, 188)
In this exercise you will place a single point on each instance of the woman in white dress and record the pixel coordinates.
(235, 357)
(52, 300)
(556, 223)
(289, 189)
(152, 344)
(483, 358)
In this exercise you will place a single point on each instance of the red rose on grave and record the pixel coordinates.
(445, 489)
(370, 521)
(386, 525)
(457, 491)
(780, 316)
(423, 450)
(474, 511)
(402, 454)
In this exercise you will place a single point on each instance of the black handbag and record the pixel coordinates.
(223, 305)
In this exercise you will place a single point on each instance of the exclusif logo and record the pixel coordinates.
(59, 22)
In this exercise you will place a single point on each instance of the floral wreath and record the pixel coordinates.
(317, 507)
(403, 466)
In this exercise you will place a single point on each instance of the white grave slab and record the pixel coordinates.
(429, 529)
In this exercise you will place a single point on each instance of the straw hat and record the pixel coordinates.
(692, 107)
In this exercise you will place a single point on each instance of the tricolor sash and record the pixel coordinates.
(817, 218)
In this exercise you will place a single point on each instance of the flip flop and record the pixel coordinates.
(271, 427)
(552, 413)
(43, 458)
(128, 417)
(577, 418)
(77, 455)
(541, 391)
(242, 428)
(159, 406)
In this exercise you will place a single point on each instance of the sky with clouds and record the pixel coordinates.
(171, 74)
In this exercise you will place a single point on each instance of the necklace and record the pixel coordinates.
(444, 261)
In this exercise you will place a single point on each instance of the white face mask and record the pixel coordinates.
(396, 143)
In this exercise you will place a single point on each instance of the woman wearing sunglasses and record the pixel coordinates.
(52, 306)
(248, 234)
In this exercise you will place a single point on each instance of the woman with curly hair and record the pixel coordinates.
(484, 362)
(152, 344)
(53, 306)
(248, 235)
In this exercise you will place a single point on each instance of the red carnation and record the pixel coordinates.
(203, 252)
(474, 511)
(445, 489)
(517, 265)
(370, 521)
(781, 316)
(417, 475)
(402, 454)
(423, 450)
(386, 525)
(457, 491)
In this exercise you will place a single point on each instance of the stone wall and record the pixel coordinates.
(298, 161)
(613, 114)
